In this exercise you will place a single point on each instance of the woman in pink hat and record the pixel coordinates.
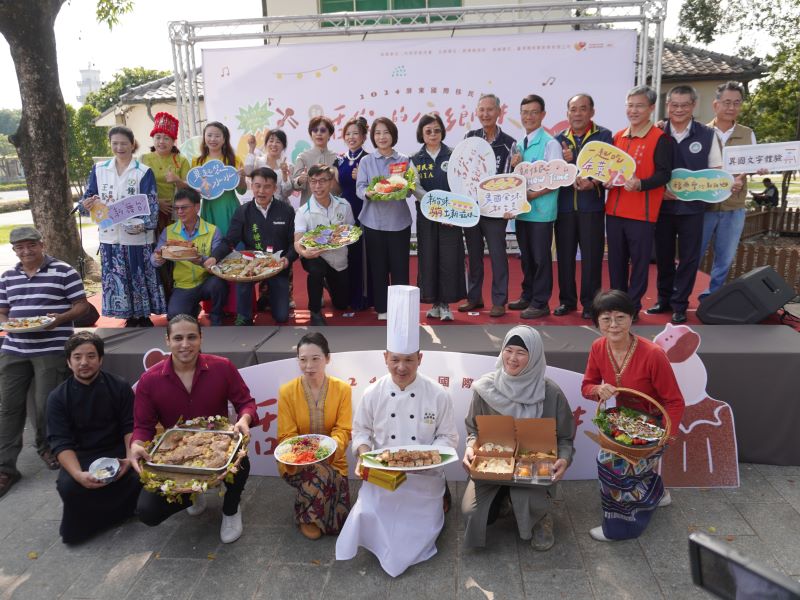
(169, 166)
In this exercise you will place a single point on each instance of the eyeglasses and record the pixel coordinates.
(432, 131)
(183, 207)
(607, 321)
(319, 181)
(731, 103)
(320, 130)
(530, 113)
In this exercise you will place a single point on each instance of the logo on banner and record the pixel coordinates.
(213, 179)
(605, 163)
(707, 185)
(547, 175)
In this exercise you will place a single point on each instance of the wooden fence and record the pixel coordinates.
(782, 221)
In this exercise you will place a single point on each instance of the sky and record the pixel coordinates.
(142, 39)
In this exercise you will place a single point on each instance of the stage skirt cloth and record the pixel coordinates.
(629, 494)
(131, 286)
(323, 497)
(87, 512)
(219, 211)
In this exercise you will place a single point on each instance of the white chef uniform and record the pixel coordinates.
(400, 527)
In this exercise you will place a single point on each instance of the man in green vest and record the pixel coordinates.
(725, 220)
(192, 283)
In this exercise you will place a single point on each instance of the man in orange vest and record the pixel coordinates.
(632, 209)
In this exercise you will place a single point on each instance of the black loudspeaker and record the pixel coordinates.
(749, 299)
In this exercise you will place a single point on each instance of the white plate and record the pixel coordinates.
(324, 441)
(45, 323)
(368, 460)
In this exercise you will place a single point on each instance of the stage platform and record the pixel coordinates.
(754, 368)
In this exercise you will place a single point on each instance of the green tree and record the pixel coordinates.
(84, 142)
(9, 120)
(41, 138)
(128, 77)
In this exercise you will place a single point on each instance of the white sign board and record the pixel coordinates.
(263, 87)
(781, 156)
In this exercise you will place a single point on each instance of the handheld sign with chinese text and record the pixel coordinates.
(212, 179)
(500, 194)
(123, 209)
(781, 156)
(708, 185)
(450, 208)
(547, 175)
(605, 163)
(471, 161)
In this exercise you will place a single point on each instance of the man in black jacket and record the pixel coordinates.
(266, 225)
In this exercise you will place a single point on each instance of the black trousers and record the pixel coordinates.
(494, 230)
(87, 512)
(387, 258)
(683, 233)
(320, 273)
(535, 242)
(587, 230)
(630, 245)
(154, 508)
(440, 253)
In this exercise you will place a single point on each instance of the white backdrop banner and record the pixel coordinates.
(255, 89)
(453, 370)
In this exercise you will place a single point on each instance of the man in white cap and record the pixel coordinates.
(401, 409)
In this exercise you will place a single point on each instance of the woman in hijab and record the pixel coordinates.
(517, 388)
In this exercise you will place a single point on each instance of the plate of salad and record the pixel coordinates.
(331, 237)
(629, 427)
(394, 187)
(304, 450)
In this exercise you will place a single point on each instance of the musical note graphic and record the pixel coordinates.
(550, 81)
(226, 72)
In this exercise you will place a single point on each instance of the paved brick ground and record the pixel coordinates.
(183, 558)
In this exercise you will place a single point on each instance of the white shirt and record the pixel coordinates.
(552, 149)
(420, 414)
(313, 214)
(725, 135)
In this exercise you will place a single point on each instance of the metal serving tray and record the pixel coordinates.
(162, 467)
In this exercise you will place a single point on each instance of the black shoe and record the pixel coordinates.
(470, 306)
(520, 304)
(7, 480)
(563, 309)
(145, 322)
(586, 314)
(678, 317)
(659, 308)
(132, 322)
(317, 319)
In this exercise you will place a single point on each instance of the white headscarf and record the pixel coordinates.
(520, 396)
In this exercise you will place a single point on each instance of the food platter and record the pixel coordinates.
(26, 324)
(204, 457)
(303, 450)
(331, 237)
(629, 427)
(242, 267)
(446, 454)
(178, 253)
(394, 187)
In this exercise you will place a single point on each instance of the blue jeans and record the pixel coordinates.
(726, 227)
(186, 300)
(278, 289)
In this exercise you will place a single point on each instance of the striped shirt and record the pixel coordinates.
(52, 289)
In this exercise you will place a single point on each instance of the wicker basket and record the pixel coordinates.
(632, 454)
(267, 275)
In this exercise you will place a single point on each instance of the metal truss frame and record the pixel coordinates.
(646, 16)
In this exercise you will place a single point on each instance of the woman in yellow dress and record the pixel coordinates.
(169, 166)
(317, 403)
(216, 144)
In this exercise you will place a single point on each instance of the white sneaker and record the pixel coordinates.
(666, 499)
(231, 529)
(597, 534)
(382, 316)
(445, 313)
(434, 313)
(198, 506)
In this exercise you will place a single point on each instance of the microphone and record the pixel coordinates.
(74, 210)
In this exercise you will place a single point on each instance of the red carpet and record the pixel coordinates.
(334, 317)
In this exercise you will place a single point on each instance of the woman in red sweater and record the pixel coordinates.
(629, 492)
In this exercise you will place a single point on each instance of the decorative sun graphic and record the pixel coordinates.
(254, 118)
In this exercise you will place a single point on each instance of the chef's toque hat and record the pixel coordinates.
(402, 325)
